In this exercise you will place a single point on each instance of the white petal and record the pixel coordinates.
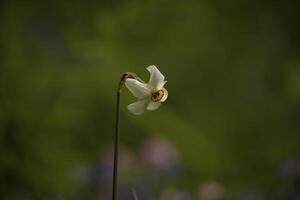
(138, 107)
(137, 88)
(153, 105)
(156, 78)
(165, 95)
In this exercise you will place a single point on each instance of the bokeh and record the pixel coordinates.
(230, 128)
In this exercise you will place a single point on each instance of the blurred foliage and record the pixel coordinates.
(233, 71)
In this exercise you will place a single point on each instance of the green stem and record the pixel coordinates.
(117, 133)
(135, 197)
(116, 150)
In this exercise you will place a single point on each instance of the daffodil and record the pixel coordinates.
(149, 95)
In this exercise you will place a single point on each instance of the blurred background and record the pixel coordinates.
(230, 128)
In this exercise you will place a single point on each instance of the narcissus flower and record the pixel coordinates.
(149, 95)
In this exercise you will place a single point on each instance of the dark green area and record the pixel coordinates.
(233, 71)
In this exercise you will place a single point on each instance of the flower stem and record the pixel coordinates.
(117, 133)
(116, 150)
(135, 197)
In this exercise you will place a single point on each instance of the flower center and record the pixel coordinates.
(157, 95)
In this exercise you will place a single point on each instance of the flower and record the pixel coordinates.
(211, 191)
(159, 153)
(150, 95)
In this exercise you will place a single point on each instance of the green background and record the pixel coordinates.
(233, 72)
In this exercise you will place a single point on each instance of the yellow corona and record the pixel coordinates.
(157, 95)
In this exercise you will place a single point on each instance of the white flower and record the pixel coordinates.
(150, 95)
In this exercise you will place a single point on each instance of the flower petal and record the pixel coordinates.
(165, 95)
(137, 88)
(156, 78)
(153, 105)
(138, 107)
